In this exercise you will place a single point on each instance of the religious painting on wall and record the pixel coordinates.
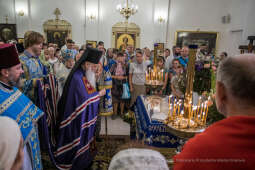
(8, 32)
(123, 40)
(124, 34)
(20, 40)
(57, 37)
(94, 43)
(161, 49)
(57, 30)
(200, 38)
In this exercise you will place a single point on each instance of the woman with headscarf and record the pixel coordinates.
(11, 145)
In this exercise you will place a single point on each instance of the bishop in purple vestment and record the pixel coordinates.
(78, 110)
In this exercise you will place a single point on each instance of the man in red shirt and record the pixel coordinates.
(229, 143)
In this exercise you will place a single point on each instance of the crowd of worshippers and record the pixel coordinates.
(69, 136)
(126, 66)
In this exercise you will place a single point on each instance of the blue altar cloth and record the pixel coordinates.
(153, 132)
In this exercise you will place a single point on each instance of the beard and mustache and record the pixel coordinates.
(177, 54)
(12, 82)
(91, 77)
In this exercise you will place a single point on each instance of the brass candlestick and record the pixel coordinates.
(154, 77)
(190, 79)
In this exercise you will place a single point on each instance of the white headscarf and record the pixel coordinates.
(10, 136)
(137, 159)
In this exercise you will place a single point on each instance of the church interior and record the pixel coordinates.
(128, 84)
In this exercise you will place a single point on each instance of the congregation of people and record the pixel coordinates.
(53, 93)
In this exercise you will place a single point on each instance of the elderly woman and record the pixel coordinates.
(11, 145)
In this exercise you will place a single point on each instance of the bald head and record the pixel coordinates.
(185, 51)
(236, 79)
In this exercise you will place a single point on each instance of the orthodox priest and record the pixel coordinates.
(78, 110)
(17, 106)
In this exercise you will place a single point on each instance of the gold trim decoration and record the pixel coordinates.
(198, 31)
(105, 87)
(126, 28)
(106, 113)
(184, 133)
(9, 101)
(90, 89)
(94, 43)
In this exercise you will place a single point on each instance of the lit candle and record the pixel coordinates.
(205, 106)
(201, 109)
(189, 118)
(197, 111)
(190, 105)
(162, 75)
(182, 113)
(198, 118)
(203, 117)
(193, 111)
(179, 109)
(169, 103)
(199, 101)
(174, 106)
(150, 74)
(206, 113)
(197, 114)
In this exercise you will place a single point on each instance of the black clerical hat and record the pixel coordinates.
(92, 55)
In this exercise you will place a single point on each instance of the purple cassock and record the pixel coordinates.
(68, 132)
(77, 109)
(77, 124)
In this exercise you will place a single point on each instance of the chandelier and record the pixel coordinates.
(127, 8)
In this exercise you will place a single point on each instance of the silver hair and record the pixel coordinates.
(238, 76)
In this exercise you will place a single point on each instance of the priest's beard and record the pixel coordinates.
(12, 82)
(91, 77)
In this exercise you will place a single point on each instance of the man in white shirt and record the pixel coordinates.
(168, 58)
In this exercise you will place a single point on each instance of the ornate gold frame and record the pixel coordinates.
(57, 25)
(94, 43)
(198, 31)
(124, 27)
